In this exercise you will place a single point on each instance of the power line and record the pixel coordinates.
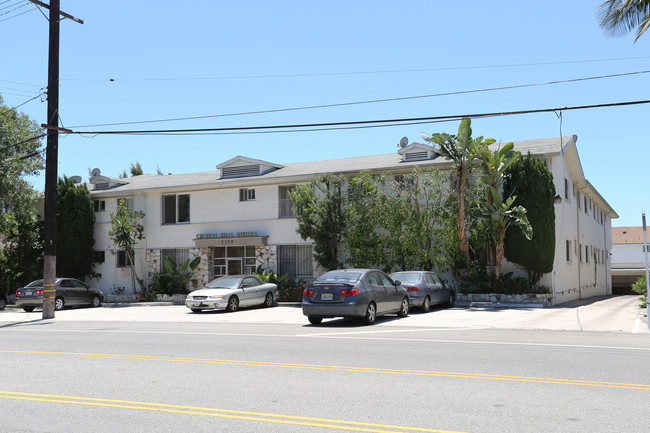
(22, 84)
(17, 15)
(343, 104)
(325, 74)
(344, 125)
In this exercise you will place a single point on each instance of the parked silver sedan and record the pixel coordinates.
(425, 289)
(231, 292)
(68, 292)
(361, 293)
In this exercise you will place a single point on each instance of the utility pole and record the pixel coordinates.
(51, 158)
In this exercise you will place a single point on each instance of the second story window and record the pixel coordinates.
(128, 202)
(246, 194)
(99, 205)
(175, 209)
(286, 204)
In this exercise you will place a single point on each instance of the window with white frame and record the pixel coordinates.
(296, 261)
(128, 202)
(177, 255)
(568, 251)
(566, 188)
(246, 194)
(122, 259)
(99, 256)
(286, 204)
(99, 205)
(175, 208)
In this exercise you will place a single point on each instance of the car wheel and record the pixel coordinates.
(59, 303)
(195, 310)
(268, 301)
(3, 304)
(28, 309)
(426, 305)
(233, 304)
(452, 300)
(404, 308)
(96, 302)
(315, 320)
(371, 314)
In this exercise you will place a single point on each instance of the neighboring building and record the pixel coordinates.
(628, 258)
(240, 217)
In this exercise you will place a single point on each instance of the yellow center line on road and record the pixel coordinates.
(220, 413)
(482, 376)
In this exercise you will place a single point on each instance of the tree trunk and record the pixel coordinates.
(460, 220)
(500, 251)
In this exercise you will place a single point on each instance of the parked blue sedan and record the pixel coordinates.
(425, 289)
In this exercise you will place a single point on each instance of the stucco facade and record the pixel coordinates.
(236, 218)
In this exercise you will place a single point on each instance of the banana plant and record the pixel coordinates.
(504, 215)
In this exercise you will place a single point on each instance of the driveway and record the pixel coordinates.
(604, 314)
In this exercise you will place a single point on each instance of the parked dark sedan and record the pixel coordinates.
(68, 292)
(3, 301)
(425, 289)
(362, 293)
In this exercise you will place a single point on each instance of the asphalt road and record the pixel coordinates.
(163, 369)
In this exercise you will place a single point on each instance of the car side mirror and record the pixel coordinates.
(398, 283)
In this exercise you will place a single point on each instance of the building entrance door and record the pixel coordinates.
(235, 266)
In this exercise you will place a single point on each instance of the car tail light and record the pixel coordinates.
(308, 292)
(412, 289)
(39, 292)
(349, 292)
(19, 293)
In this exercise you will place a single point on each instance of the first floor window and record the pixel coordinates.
(99, 256)
(176, 208)
(177, 255)
(296, 261)
(122, 259)
(568, 251)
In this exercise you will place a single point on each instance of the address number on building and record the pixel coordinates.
(227, 242)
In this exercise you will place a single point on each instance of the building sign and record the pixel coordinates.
(229, 238)
(225, 235)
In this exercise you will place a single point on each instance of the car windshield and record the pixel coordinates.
(37, 283)
(406, 277)
(338, 277)
(226, 282)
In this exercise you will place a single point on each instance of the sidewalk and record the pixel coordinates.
(600, 314)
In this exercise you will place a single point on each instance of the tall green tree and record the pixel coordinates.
(362, 237)
(21, 235)
(126, 230)
(414, 221)
(134, 169)
(75, 227)
(532, 182)
(463, 151)
(619, 17)
(321, 217)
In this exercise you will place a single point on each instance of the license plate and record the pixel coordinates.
(197, 304)
(326, 296)
(28, 293)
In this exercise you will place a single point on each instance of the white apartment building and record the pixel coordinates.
(239, 217)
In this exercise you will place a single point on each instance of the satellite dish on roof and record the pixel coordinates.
(76, 179)
(425, 136)
(403, 142)
(96, 172)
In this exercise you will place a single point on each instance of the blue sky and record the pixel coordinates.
(146, 60)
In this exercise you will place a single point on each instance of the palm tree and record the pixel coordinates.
(125, 232)
(463, 150)
(504, 215)
(619, 17)
(493, 167)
